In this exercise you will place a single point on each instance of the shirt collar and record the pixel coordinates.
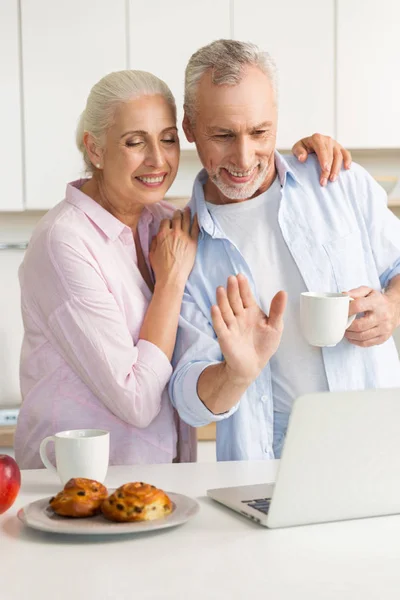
(283, 169)
(109, 225)
(198, 203)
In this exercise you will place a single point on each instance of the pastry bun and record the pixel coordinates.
(136, 502)
(79, 498)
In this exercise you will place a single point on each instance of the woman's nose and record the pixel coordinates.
(155, 156)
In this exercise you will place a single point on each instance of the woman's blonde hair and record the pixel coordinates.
(106, 95)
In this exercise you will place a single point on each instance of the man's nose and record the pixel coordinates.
(243, 155)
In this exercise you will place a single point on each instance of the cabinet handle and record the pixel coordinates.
(14, 246)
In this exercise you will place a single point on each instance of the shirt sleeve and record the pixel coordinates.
(196, 349)
(383, 226)
(88, 328)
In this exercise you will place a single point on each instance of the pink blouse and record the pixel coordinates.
(82, 364)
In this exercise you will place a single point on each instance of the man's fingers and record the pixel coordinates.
(218, 322)
(224, 306)
(374, 339)
(361, 300)
(234, 295)
(245, 291)
(363, 324)
(360, 305)
(354, 308)
(359, 292)
(363, 336)
(277, 308)
(374, 342)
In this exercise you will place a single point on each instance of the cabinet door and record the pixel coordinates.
(300, 37)
(11, 196)
(67, 47)
(163, 38)
(368, 73)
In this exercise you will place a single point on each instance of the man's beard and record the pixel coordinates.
(240, 191)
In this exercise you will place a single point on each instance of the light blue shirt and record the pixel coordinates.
(341, 236)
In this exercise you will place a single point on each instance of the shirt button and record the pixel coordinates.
(266, 450)
(264, 398)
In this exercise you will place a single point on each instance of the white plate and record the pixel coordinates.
(40, 516)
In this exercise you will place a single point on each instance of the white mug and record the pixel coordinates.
(324, 317)
(79, 453)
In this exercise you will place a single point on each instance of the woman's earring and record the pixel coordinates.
(98, 166)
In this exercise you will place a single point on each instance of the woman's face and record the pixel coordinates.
(141, 153)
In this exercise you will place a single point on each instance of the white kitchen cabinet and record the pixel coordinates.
(368, 73)
(165, 35)
(11, 196)
(67, 47)
(300, 37)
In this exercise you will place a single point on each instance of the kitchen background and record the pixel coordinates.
(339, 74)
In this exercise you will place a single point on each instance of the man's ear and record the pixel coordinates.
(187, 128)
(94, 152)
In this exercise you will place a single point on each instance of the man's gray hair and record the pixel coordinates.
(226, 59)
(105, 97)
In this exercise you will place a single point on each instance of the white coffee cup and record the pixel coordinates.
(324, 317)
(79, 453)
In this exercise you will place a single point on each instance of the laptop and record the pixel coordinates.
(341, 460)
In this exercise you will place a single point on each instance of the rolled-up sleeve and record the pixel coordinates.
(88, 328)
(196, 349)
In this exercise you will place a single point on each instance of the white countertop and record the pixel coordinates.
(218, 554)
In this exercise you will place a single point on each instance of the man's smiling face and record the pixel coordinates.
(235, 135)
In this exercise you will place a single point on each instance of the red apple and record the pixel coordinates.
(10, 482)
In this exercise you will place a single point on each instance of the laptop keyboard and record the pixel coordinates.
(261, 504)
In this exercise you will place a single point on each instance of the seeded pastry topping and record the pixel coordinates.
(137, 501)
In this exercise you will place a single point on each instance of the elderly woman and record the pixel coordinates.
(102, 283)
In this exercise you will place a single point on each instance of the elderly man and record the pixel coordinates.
(267, 225)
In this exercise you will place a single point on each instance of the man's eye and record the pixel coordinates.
(223, 136)
(260, 132)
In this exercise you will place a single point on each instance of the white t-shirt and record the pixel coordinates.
(252, 225)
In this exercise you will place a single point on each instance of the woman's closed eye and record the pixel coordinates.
(132, 144)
